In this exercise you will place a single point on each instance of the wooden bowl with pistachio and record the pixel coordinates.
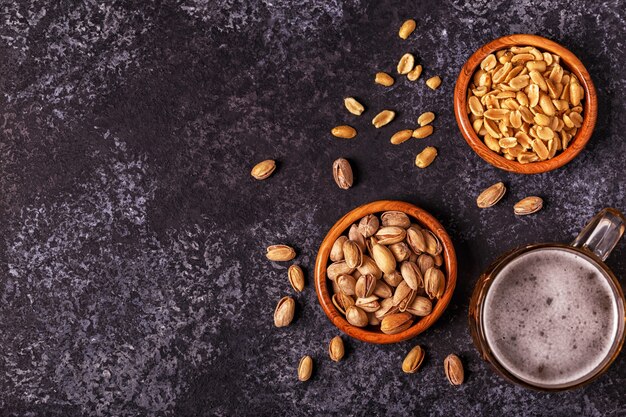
(385, 272)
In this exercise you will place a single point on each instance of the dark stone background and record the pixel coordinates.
(133, 278)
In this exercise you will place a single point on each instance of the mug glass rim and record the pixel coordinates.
(478, 302)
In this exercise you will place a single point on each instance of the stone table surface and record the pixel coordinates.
(133, 278)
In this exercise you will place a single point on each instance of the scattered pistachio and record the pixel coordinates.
(413, 360)
(263, 169)
(305, 368)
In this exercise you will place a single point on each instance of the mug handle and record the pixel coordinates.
(602, 233)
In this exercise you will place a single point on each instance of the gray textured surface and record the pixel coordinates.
(133, 279)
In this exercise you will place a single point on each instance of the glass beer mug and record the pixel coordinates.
(550, 316)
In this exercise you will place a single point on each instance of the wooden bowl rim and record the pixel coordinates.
(427, 221)
(590, 104)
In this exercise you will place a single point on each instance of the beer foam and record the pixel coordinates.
(550, 317)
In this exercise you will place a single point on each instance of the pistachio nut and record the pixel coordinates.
(338, 268)
(382, 290)
(368, 225)
(355, 235)
(368, 266)
(283, 314)
(453, 368)
(263, 169)
(336, 252)
(342, 173)
(434, 283)
(342, 301)
(386, 307)
(412, 275)
(421, 306)
(384, 258)
(424, 262)
(389, 235)
(415, 239)
(356, 317)
(336, 349)
(403, 294)
(296, 277)
(365, 286)
(394, 279)
(400, 251)
(395, 218)
(371, 241)
(305, 368)
(352, 253)
(280, 253)
(347, 284)
(433, 245)
(413, 360)
(369, 304)
(396, 323)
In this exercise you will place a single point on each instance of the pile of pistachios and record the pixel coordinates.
(385, 272)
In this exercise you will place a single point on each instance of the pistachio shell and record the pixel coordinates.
(356, 316)
(415, 239)
(382, 290)
(388, 235)
(336, 349)
(368, 225)
(305, 368)
(283, 314)
(413, 360)
(355, 235)
(338, 268)
(395, 218)
(412, 275)
(263, 169)
(421, 306)
(434, 283)
(400, 251)
(396, 323)
(394, 279)
(296, 277)
(336, 252)
(280, 253)
(369, 304)
(342, 302)
(425, 261)
(528, 205)
(365, 286)
(453, 368)
(352, 254)
(347, 284)
(384, 258)
(490, 196)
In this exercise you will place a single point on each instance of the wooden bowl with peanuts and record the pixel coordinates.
(525, 104)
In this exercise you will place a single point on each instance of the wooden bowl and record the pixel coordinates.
(569, 61)
(371, 334)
